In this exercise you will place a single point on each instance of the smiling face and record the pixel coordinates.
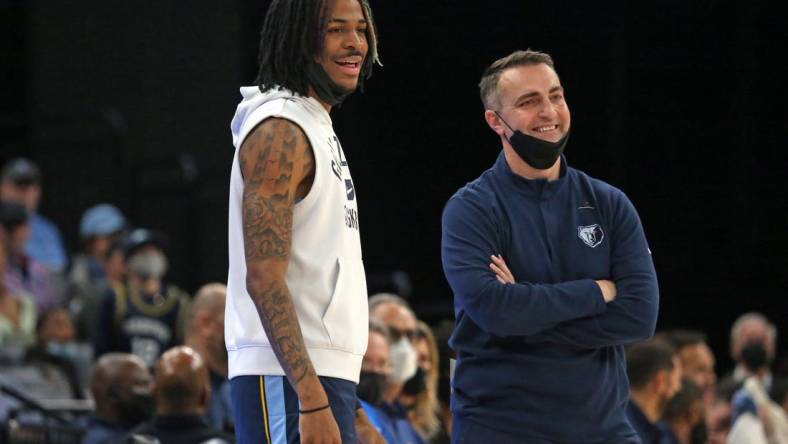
(532, 100)
(345, 43)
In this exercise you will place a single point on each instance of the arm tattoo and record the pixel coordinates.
(267, 159)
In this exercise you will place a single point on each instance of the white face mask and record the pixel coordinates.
(404, 361)
(151, 264)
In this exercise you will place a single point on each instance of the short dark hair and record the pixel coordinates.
(488, 85)
(682, 338)
(646, 359)
(291, 38)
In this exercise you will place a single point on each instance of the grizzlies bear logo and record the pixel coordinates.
(591, 235)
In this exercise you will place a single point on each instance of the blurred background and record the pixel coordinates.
(677, 103)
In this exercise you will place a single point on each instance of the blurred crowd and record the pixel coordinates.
(137, 357)
(99, 344)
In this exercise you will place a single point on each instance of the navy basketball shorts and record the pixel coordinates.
(266, 409)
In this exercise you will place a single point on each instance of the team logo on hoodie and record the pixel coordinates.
(591, 235)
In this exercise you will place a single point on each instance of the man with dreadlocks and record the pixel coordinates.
(296, 313)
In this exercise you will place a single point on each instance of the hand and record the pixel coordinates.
(319, 428)
(365, 431)
(502, 273)
(608, 290)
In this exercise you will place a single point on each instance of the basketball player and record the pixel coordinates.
(296, 314)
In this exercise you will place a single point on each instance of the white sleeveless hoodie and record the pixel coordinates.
(325, 274)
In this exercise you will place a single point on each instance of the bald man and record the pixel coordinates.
(205, 334)
(182, 391)
(121, 388)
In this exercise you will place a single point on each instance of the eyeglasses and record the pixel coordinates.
(397, 334)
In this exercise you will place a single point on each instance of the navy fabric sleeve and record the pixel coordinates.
(632, 316)
(467, 242)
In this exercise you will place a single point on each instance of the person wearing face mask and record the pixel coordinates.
(376, 371)
(182, 392)
(755, 417)
(551, 274)
(145, 314)
(56, 349)
(754, 339)
(420, 393)
(121, 389)
(394, 312)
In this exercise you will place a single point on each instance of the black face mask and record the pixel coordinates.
(370, 387)
(698, 434)
(325, 88)
(136, 408)
(754, 356)
(416, 384)
(535, 152)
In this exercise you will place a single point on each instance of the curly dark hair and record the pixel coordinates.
(291, 38)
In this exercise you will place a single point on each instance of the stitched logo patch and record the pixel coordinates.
(591, 235)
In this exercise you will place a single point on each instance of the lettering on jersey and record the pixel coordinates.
(351, 191)
(338, 158)
(351, 218)
(591, 235)
(142, 326)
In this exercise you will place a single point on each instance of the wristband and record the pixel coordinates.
(317, 409)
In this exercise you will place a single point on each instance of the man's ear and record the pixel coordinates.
(660, 381)
(204, 319)
(494, 122)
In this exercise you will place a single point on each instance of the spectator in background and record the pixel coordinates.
(182, 391)
(100, 227)
(20, 181)
(145, 315)
(684, 418)
(98, 267)
(376, 367)
(395, 313)
(56, 351)
(17, 311)
(121, 387)
(755, 417)
(443, 332)
(23, 273)
(420, 394)
(697, 360)
(753, 337)
(654, 373)
(718, 418)
(205, 335)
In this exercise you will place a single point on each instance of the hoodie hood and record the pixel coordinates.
(253, 99)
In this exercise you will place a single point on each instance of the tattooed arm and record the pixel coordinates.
(278, 166)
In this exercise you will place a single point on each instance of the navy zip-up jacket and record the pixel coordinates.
(542, 360)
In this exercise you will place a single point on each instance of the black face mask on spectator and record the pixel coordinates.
(416, 384)
(135, 408)
(698, 434)
(754, 356)
(370, 387)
